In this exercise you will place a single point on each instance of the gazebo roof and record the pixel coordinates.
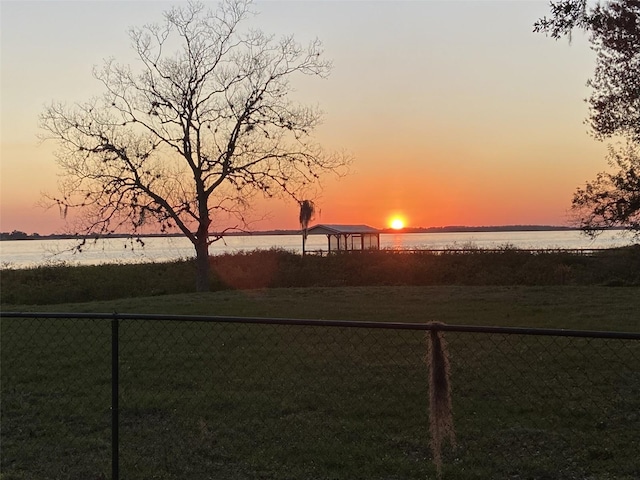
(332, 229)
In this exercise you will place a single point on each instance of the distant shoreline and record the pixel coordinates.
(10, 236)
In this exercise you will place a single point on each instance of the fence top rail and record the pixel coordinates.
(557, 332)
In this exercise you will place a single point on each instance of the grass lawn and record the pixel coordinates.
(262, 401)
(578, 307)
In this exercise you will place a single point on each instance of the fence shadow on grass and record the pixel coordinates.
(210, 397)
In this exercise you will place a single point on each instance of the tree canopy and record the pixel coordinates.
(614, 28)
(613, 198)
(202, 123)
(307, 213)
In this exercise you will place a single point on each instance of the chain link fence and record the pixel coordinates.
(212, 398)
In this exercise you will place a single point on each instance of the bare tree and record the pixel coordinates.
(307, 212)
(203, 125)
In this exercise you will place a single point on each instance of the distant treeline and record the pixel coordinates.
(494, 228)
(18, 235)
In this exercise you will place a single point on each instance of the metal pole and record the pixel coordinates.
(115, 461)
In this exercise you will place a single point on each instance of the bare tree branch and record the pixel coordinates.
(201, 127)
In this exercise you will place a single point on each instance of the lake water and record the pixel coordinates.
(28, 253)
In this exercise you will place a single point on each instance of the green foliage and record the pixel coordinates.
(65, 284)
(277, 268)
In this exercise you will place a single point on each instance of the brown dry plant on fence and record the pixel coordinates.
(440, 406)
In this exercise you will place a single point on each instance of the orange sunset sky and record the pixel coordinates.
(454, 112)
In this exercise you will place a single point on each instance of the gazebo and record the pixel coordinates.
(348, 237)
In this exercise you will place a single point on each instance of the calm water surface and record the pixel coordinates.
(28, 253)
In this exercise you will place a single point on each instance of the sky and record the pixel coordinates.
(454, 112)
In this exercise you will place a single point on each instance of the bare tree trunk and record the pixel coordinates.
(202, 238)
(202, 264)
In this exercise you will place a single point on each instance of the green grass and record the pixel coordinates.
(579, 307)
(250, 401)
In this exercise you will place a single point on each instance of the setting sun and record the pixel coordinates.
(397, 223)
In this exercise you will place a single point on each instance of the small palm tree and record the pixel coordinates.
(307, 212)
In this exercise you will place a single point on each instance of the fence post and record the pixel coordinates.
(115, 461)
